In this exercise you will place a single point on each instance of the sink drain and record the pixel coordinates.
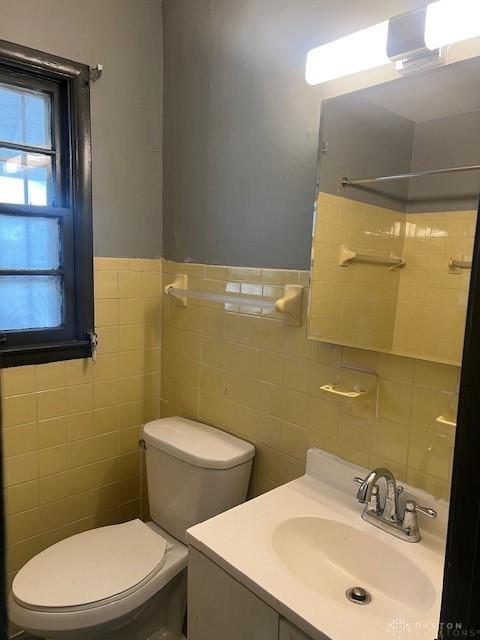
(358, 595)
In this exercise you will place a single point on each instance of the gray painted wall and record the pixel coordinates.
(240, 134)
(126, 37)
(365, 140)
(241, 125)
(446, 142)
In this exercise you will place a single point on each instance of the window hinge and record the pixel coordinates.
(95, 73)
(93, 344)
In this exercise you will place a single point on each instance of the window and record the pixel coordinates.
(46, 290)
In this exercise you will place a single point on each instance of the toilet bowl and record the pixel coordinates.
(52, 614)
(129, 580)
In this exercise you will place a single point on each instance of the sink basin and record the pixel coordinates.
(330, 557)
(302, 546)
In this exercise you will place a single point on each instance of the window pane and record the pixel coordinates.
(25, 178)
(30, 302)
(25, 116)
(29, 243)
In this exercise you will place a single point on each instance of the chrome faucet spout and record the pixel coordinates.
(388, 517)
(364, 493)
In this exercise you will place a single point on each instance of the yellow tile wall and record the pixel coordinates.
(432, 299)
(71, 428)
(354, 305)
(260, 379)
(418, 310)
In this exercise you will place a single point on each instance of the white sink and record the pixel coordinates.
(331, 557)
(301, 546)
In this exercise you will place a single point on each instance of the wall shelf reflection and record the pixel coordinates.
(348, 257)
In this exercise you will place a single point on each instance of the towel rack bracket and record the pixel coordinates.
(291, 304)
(180, 282)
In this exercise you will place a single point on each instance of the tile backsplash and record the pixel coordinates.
(71, 429)
(260, 379)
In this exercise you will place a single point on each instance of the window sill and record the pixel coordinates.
(42, 354)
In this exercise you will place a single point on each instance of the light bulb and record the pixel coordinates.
(357, 52)
(450, 21)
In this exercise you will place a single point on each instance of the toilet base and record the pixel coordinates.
(160, 618)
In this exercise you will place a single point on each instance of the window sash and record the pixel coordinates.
(12, 338)
(21, 338)
(60, 171)
(23, 142)
(68, 83)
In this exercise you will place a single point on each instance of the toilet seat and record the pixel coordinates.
(90, 567)
(37, 617)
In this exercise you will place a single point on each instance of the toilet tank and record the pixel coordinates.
(194, 472)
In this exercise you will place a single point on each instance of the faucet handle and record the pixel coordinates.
(411, 506)
(426, 511)
(410, 522)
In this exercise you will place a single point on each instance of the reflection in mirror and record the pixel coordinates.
(391, 258)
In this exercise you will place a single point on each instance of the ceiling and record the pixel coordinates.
(447, 91)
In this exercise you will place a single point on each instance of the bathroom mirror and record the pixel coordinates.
(396, 214)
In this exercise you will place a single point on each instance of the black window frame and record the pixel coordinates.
(68, 83)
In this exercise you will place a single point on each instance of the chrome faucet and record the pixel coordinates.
(387, 517)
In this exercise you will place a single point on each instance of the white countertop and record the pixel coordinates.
(240, 541)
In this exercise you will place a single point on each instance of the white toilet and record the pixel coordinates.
(129, 580)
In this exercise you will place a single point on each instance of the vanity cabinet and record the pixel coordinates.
(288, 632)
(220, 608)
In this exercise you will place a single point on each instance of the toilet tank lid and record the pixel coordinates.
(197, 443)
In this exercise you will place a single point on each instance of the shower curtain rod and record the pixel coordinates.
(347, 182)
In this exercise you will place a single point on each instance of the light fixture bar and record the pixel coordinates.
(414, 40)
(356, 52)
(449, 21)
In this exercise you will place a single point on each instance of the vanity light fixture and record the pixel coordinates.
(450, 21)
(356, 52)
(413, 41)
